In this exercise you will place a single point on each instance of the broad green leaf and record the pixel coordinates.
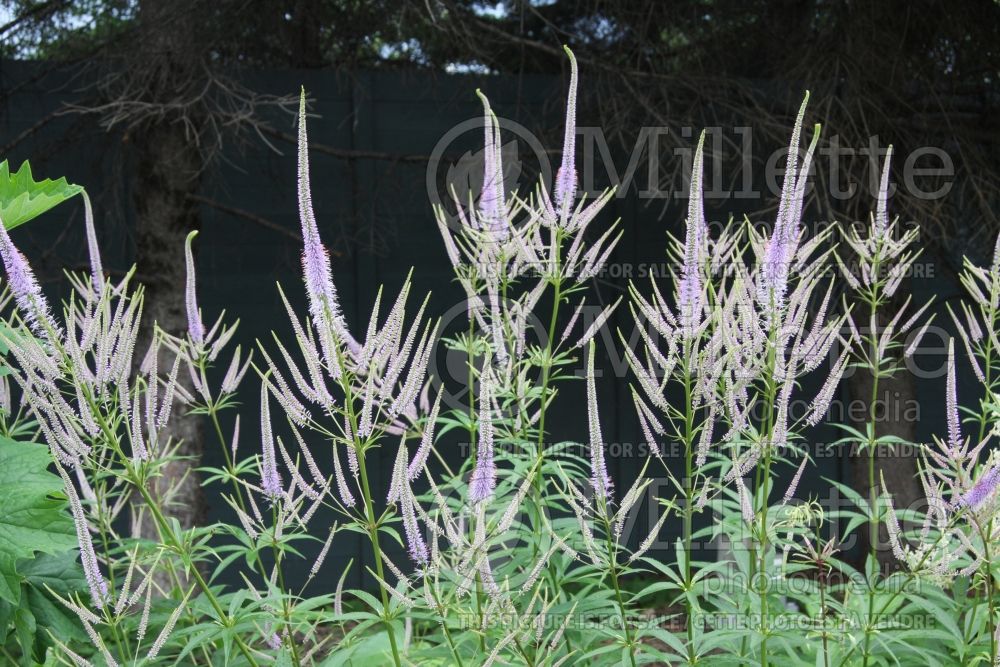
(25, 626)
(372, 650)
(32, 519)
(23, 198)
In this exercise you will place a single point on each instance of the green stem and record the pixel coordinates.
(286, 610)
(444, 625)
(371, 524)
(372, 527)
(764, 487)
(990, 609)
(688, 505)
(165, 531)
(524, 653)
(910, 576)
(989, 321)
(613, 572)
(213, 414)
(546, 376)
(823, 613)
(547, 358)
(874, 515)
(473, 431)
(230, 464)
(168, 534)
(762, 576)
(874, 359)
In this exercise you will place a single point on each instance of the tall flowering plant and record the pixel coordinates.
(527, 551)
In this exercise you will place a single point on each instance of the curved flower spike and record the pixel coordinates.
(415, 543)
(24, 286)
(794, 220)
(782, 245)
(93, 249)
(995, 266)
(196, 328)
(492, 201)
(789, 184)
(95, 580)
(565, 187)
(324, 306)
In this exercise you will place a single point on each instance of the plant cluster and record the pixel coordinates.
(526, 553)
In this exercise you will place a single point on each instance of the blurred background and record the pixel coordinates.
(179, 115)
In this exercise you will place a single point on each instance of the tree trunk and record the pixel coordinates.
(168, 168)
(169, 162)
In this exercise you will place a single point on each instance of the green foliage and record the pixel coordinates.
(524, 553)
(22, 198)
(37, 559)
(38, 616)
(32, 519)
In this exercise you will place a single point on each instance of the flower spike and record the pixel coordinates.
(689, 292)
(492, 201)
(599, 471)
(196, 329)
(324, 306)
(565, 188)
(24, 286)
(782, 245)
(882, 213)
(951, 403)
(484, 475)
(93, 249)
(270, 480)
(981, 491)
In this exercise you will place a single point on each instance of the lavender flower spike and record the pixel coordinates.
(492, 201)
(484, 475)
(196, 329)
(951, 403)
(93, 249)
(270, 480)
(789, 185)
(882, 210)
(565, 189)
(426, 442)
(88, 558)
(411, 527)
(23, 285)
(781, 246)
(324, 305)
(981, 491)
(599, 470)
(346, 497)
(689, 292)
